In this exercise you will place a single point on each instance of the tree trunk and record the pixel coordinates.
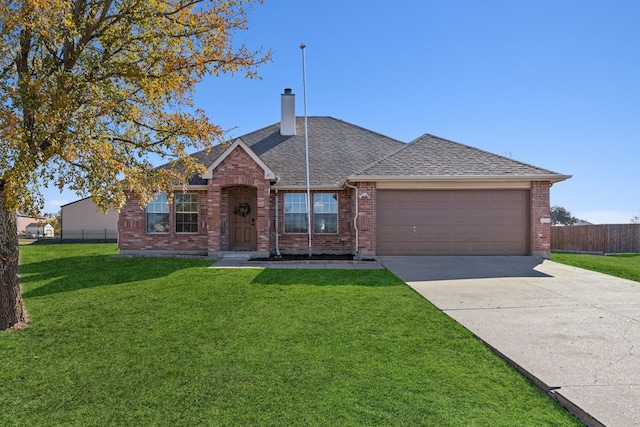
(12, 314)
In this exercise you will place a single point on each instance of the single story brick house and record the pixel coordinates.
(370, 195)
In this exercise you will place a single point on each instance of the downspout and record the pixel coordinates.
(277, 219)
(355, 217)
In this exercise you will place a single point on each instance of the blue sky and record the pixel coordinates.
(551, 83)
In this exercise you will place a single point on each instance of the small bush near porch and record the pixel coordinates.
(115, 341)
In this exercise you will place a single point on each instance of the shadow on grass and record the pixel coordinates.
(82, 272)
(326, 277)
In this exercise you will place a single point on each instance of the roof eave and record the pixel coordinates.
(552, 178)
(327, 187)
(179, 187)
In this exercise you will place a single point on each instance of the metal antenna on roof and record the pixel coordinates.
(306, 145)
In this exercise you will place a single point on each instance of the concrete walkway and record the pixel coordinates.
(575, 333)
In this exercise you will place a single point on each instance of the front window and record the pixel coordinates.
(325, 213)
(186, 213)
(158, 215)
(295, 213)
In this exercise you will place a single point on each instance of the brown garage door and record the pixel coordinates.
(453, 222)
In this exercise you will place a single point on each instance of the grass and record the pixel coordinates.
(117, 341)
(626, 266)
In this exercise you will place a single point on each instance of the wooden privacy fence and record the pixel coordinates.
(606, 239)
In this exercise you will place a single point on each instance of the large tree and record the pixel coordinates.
(90, 88)
(561, 216)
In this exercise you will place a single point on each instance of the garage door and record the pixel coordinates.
(458, 222)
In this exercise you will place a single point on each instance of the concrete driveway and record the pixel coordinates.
(574, 332)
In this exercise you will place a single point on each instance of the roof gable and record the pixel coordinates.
(239, 144)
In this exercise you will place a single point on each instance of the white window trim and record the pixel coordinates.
(147, 212)
(175, 214)
(336, 213)
(284, 214)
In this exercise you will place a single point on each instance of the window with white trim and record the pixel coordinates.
(158, 215)
(295, 213)
(325, 213)
(186, 212)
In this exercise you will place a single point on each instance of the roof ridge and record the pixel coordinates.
(360, 127)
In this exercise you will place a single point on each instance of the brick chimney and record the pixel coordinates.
(288, 113)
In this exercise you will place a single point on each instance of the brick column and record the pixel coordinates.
(540, 219)
(367, 226)
(213, 221)
(263, 220)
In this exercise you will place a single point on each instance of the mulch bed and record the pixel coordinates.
(313, 257)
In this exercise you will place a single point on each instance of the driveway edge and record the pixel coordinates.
(553, 392)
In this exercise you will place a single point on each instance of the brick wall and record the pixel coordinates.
(540, 231)
(134, 237)
(238, 172)
(297, 243)
(241, 172)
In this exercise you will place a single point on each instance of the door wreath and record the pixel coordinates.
(242, 209)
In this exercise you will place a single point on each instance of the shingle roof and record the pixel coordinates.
(431, 156)
(336, 150)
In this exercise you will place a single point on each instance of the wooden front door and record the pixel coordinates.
(243, 220)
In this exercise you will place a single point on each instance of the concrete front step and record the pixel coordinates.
(232, 260)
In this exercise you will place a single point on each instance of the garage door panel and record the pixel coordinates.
(453, 222)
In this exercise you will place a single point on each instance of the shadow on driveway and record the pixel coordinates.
(436, 268)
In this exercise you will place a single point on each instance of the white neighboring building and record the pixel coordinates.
(83, 220)
(22, 220)
(36, 230)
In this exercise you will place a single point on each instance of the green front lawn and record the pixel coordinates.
(115, 341)
(626, 266)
